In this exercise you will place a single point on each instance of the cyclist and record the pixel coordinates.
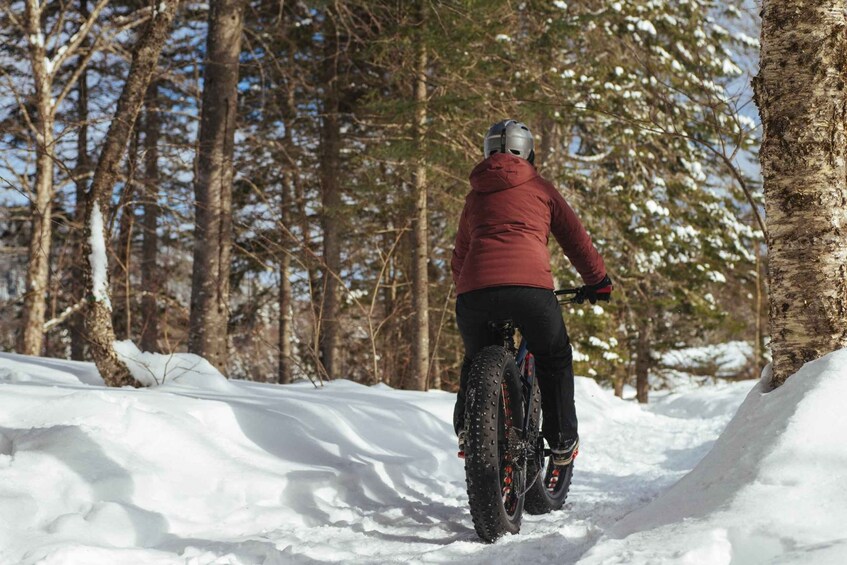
(501, 269)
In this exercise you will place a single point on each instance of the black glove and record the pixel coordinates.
(594, 292)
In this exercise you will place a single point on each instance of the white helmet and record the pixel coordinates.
(510, 136)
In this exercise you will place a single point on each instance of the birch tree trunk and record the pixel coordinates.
(800, 93)
(213, 185)
(420, 252)
(150, 272)
(40, 118)
(32, 333)
(98, 315)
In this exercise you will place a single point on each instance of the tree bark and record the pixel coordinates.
(285, 375)
(213, 185)
(331, 203)
(98, 317)
(285, 368)
(420, 251)
(76, 324)
(800, 93)
(643, 362)
(150, 272)
(31, 338)
(759, 348)
(122, 315)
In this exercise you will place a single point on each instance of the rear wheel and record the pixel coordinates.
(496, 478)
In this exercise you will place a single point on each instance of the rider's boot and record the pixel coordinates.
(565, 452)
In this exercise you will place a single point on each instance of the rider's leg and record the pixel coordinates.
(472, 316)
(547, 338)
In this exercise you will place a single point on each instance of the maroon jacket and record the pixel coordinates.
(505, 225)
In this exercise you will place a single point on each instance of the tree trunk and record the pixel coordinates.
(800, 93)
(759, 348)
(150, 271)
(285, 296)
(213, 185)
(76, 324)
(618, 381)
(98, 318)
(331, 203)
(643, 362)
(420, 251)
(32, 332)
(122, 315)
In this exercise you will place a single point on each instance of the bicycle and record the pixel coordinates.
(507, 467)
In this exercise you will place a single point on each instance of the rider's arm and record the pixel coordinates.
(460, 249)
(573, 239)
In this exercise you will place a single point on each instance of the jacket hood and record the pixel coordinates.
(501, 171)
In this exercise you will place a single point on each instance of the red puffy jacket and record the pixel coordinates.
(503, 233)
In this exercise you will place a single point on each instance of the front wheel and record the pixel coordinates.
(495, 472)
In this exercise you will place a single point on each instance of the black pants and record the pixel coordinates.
(538, 315)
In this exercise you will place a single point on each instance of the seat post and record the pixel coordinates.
(503, 333)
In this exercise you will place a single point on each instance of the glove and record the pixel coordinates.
(599, 291)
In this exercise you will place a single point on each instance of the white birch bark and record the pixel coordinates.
(800, 92)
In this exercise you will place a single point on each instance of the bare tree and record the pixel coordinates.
(420, 253)
(330, 199)
(285, 292)
(213, 184)
(800, 92)
(41, 121)
(150, 273)
(81, 174)
(98, 316)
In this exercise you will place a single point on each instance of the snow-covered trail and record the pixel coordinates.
(211, 471)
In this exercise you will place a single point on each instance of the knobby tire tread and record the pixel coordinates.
(482, 464)
(538, 499)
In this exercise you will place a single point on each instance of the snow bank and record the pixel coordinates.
(202, 470)
(771, 490)
(196, 473)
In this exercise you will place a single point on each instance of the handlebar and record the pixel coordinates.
(579, 296)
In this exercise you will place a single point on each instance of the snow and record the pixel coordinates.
(771, 489)
(204, 470)
(98, 259)
(152, 369)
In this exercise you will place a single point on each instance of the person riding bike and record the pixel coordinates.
(501, 270)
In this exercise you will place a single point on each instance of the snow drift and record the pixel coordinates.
(204, 470)
(771, 490)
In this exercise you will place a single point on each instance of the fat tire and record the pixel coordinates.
(539, 499)
(491, 368)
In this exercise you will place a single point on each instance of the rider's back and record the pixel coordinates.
(504, 229)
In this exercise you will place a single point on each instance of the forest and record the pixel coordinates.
(231, 237)
(284, 195)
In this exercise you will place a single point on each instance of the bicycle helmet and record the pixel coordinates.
(510, 136)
